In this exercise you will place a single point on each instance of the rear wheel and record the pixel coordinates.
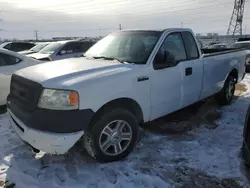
(113, 136)
(225, 96)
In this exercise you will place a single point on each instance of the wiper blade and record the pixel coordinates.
(108, 58)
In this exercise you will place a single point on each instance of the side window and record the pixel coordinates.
(190, 44)
(86, 46)
(8, 46)
(6, 60)
(28, 45)
(174, 47)
(19, 47)
(73, 47)
(15, 47)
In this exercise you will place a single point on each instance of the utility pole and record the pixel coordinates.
(36, 35)
(245, 29)
(235, 24)
(181, 24)
(120, 26)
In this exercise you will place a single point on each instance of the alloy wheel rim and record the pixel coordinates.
(230, 90)
(115, 137)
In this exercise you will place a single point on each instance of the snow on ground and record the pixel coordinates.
(159, 161)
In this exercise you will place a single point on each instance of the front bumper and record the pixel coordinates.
(53, 143)
(55, 121)
(246, 153)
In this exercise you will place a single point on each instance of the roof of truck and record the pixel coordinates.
(156, 30)
(247, 41)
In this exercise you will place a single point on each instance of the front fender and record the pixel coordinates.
(96, 95)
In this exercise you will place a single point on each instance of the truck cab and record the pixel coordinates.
(126, 79)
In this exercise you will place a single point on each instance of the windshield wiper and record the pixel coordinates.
(108, 58)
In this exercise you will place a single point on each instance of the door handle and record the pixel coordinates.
(142, 78)
(189, 71)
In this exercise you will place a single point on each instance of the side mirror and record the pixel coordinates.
(164, 60)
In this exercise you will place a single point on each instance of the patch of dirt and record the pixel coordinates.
(6, 185)
(187, 119)
(188, 177)
(240, 88)
(196, 179)
(2, 183)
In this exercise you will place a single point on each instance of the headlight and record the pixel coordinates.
(59, 100)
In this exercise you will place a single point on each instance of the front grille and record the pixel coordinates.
(24, 93)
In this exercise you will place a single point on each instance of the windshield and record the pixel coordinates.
(241, 45)
(51, 48)
(127, 46)
(3, 44)
(38, 47)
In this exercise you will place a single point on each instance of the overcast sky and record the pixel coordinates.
(54, 18)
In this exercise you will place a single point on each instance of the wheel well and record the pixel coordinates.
(126, 103)
(234, 73)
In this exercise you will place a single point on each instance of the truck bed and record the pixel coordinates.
(214, 51)
(217, 64)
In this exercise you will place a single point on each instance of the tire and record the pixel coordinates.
(247, 165)
(96, 136)
(247, 69)
(225, 96)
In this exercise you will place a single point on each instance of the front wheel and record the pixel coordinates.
(225, 96)
(113, 136)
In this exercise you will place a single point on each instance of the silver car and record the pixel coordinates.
(62, 50)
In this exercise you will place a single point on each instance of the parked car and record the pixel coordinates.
(200, 43)
(62, 50)
(219, 46)
(9, 63)
(245, 45)
(246, 139)
(39, 46)
(212, 43)
(126, 79)
(17, 46)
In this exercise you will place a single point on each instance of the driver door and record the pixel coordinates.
(166, 81)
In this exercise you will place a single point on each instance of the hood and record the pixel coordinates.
(68, 72)
(26, 52)
(39, 55)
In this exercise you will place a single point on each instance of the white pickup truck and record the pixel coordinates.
(126, 79)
